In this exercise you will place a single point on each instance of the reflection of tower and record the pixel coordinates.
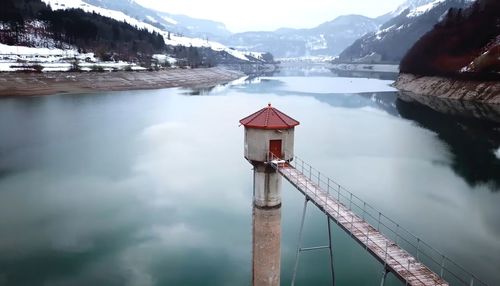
(268, 134)
(266, 246)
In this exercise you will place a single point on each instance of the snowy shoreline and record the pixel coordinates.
(35, 84)
(21, 58)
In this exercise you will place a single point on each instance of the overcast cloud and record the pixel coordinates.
(268, 15)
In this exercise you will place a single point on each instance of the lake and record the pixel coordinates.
(151, 187)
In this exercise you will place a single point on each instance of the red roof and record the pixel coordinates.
(269, 118)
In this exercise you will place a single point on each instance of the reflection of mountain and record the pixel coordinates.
(380, 100)
(471, 141)
(365, 74)
(466, 108)
(323, 69)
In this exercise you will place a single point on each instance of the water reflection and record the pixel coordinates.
(365, 74)
(470, 109)
(266, 248)
(149, 187)
(472, 141)
(295, 69)
(385, 101)
(304, 69)
(200, 91)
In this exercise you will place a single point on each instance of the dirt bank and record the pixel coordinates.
(29, 84)
(484, 92)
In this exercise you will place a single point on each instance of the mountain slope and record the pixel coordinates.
(329, 38)
(31, 23)
(173, 40)
(408, 5)
(78, 31)
(395, 37)
(466, 41)
(179, 24)
(459, 59)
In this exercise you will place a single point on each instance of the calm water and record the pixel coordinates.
(151, 187)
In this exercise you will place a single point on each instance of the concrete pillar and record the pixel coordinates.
(266, 258)
(266, 186)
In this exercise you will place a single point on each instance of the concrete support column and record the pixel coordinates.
(266, 246)
(266, 186)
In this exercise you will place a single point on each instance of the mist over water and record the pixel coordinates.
(151, 187)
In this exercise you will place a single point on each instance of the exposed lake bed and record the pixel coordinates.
(483, 91)
(32, 84)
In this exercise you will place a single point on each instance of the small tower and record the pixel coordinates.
(268, 132)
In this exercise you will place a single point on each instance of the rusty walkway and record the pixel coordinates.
(404, 255)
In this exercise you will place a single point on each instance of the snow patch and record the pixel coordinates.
(15, 58)
(255, 55)
(317, 43)
(424, 8)
(151, 19)
(170, 20)
(162, 59)
(381, 33)
(420, 10)
(34, 52)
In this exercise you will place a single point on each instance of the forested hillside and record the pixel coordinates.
(32, 23)
(466, 44)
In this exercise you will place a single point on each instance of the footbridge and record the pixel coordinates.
(401, 253)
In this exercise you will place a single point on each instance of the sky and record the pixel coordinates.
(267, 15)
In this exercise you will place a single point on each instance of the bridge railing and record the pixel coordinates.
(443, 266)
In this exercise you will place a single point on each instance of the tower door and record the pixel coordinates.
(275, 148)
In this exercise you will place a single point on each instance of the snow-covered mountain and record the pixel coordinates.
(179, 24)
(329, 38)
(395, 37)
(408, 5)
(171, 38)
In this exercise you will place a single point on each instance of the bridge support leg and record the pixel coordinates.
(330, 246)
(300, 249)
(384, 276)
(299, 245)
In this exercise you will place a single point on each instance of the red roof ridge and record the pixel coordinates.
(269, 108)
(277, 112)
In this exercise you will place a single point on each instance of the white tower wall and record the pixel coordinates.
(257, 143)
(267, 186)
